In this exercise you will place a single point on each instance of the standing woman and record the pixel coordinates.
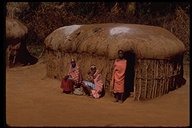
(118, 77)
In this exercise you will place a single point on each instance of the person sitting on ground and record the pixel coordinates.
(94, 85)
(72, 79)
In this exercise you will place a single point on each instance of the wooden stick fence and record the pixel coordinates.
(154, 77)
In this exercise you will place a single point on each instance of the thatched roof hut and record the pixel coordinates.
(15, 31)
(16, 51)
(154, 55)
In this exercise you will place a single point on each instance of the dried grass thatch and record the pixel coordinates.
(98, 44)
(15, 30)
(16, 51)
(107, 39)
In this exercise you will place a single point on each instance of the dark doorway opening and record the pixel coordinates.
(129, 73)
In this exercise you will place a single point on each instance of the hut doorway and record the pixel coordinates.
(129, 74)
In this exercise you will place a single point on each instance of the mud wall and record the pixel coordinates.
(58, 64)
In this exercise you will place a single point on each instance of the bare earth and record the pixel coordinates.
(32, 99)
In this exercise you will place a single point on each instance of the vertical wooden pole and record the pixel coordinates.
(156, 78)
(134, 86)
(139, 95)
(153, 90)
(145, 77)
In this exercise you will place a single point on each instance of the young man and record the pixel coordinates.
(72, 79)
(118, 77)
(94, 84)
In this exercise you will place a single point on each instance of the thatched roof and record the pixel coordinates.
(107, 39)
(15, 29)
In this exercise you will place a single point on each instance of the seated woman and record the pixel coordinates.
(94, 84)
(72, 79)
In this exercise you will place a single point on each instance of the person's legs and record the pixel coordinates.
(87, 88)
(67, 86)
(73, 83)
(120, 97)
(116, 97)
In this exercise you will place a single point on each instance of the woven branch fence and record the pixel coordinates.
(154, 77)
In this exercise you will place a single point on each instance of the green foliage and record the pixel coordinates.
(42, 18)
(36, 50)
(34, 5)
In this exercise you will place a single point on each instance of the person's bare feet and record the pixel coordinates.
(116, 100)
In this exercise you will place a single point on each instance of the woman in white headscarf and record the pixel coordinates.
(94, 85)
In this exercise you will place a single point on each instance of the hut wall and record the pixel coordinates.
(58, 65)
(156, 73)
(154, 77)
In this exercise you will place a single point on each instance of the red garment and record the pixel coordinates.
(98, 81)
(98, 85)
(67, 85)
(75, 73)
(118, 76)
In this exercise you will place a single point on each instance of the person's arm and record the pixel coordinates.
(112, 79)
(89, 72)
(91, 79)
(72, 69)
(66, 77)
(112, 83)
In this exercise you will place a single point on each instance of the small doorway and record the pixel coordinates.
(129, 74)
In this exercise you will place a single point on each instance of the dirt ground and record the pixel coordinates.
(32, 99)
